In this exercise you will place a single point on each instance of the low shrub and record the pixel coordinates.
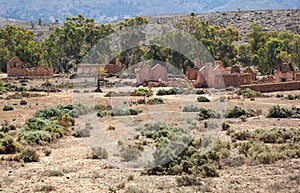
(130, 153)
(82, 132)
(237, 112)
(203, 99)
(101, 114)
(111, 127)
(190, 108)
(141, 92)
(225, 126)
(99, 153)
(35, 137)
(7, 144)
(188, 180)
(47, 151)
(248, 93)
(277, 111)
(207, 114)
(4, 129)
(27, 154)
(156, 101)
(141, 101)
(275, 135)
(23, 102)
(293, 96)
(171, 91)
(279, 96)
(125, 112)
(7, 108)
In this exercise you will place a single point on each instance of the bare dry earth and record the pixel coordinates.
(68, 168)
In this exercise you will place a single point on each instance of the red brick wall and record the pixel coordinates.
(271, 87)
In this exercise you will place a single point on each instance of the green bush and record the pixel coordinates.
(111, 127)
(279, 112)
(23, 102)
(7, 144)
(101, 114)
(171, 91)
(35, 137)
(279, 96)
(141, 101)
(248, 93)
(141, 92)
(156, 101)
(4, 129)
(225, 126)
(125, 112)
(207, 114)
(99, 153)
(27, 154)
(276, 135)
(203, 99)
(237, 112)
(177, 153)
(7, 108)
(10, 86)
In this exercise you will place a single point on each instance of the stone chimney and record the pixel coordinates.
(196, 63)
(117, 61)
(106, 60)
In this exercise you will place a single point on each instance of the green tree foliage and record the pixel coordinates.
(268, 50)
(68, 45)
(18, 41)
(219, 41)
(131, 34)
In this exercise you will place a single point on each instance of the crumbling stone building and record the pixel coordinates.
(15, 67)
(156, 73)
(217, 76)
(91, 69)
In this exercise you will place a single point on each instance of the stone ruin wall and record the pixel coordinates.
(15, 67)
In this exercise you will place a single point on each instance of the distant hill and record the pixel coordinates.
(104, 10)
